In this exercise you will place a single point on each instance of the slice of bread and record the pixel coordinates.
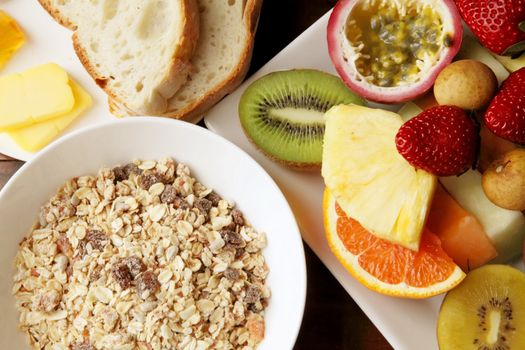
(138, 51)
(220, 62)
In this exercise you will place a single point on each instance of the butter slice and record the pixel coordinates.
(35, 95)
(36, 136)
(11, 38)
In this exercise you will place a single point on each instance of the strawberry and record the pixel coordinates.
(442, 140)
(498, 24)
(505, 115)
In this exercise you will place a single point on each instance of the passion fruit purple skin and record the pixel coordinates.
(336, 38)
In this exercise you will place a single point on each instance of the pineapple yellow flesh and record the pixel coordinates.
(370, 180)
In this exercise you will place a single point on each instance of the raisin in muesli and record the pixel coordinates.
(253, 294)
(123, 172)
(122, 275)
(64, 246)
(204, 205)
(214, 198)
(149, 179)
(98, 239)
(119, 173)
(135, 265)
(147, 284)
(95, 274)
(233, 238)
(169, 195)
(95, 238)
(232, 274)
(237, 216)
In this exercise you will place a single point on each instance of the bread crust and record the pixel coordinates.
(194, 111)
(181, 67)
(57, 15)
(176, 76)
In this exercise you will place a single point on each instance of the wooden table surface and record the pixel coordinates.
(332, 320)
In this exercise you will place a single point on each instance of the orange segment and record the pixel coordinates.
(386, 267)
(462, 236)
(386, 261)
(354, 236)
(11, 38)
(431, 264)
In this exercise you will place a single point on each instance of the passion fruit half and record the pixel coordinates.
(392, 51)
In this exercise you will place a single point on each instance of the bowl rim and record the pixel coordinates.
(302, 274)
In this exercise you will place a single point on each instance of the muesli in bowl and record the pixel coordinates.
(141, 256)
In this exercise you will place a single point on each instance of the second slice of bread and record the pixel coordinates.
(220, 62)
(138, 51)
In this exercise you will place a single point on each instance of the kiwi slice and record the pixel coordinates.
(282, 114)
(485, 312)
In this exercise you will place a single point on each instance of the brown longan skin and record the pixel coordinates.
(467, 84)
(504, 180)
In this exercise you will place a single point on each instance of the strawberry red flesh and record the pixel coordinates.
(442, 140)
(496, 23)
(505, 115)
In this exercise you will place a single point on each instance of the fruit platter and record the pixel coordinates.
(407, 183)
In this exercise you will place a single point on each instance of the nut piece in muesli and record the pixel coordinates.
(141, 256)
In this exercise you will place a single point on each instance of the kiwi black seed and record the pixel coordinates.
(282, 114)
(485, 312)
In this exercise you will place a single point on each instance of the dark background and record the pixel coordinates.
(332, 320)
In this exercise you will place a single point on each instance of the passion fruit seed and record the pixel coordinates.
(392, 41)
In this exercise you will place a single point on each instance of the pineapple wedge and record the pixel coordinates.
(370, 180)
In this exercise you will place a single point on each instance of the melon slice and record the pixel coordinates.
(462, 236)
(505, 228)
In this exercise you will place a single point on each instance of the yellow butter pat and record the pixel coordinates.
(35, 95)
(11, 38)
(33, 138)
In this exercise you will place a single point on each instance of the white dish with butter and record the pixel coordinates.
(213, 160)
(49, 42)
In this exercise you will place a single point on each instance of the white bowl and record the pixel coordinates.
(214, 161)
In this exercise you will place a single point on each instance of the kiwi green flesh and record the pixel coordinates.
(485, 312)
(282, 113)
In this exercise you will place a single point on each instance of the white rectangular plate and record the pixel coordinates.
(406, 324)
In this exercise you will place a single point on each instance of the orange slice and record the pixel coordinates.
(385, 267)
